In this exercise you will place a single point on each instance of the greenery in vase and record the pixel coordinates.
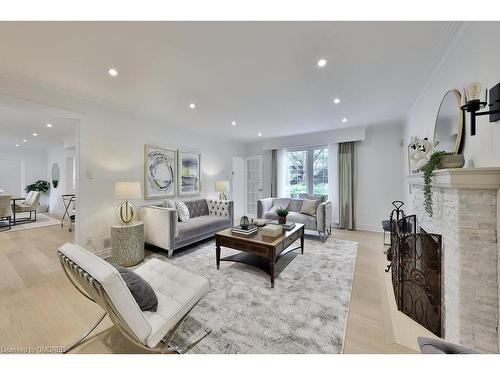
(41, 185)
(282, 212)
(428, 169)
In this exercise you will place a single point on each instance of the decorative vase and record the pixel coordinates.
(244, 222)
(282, 219)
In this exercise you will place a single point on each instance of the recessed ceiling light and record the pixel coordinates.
(336, 100)
(25, 140)
(233, 123)
(321, 63)
(17, 145)
(259, 134)
(35, 134)
(344, 120)
(192, 106)
(49, 125)
(112, 72)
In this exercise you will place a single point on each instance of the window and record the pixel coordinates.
(306, 171)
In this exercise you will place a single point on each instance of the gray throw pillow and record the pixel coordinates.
(182, 211)
(309, 207)
(142, 292)
(321, 198)
(280, 203)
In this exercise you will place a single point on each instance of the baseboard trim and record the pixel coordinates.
(370, 228)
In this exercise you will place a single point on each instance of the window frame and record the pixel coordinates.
(309, 167)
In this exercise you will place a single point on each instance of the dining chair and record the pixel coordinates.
(5, 211)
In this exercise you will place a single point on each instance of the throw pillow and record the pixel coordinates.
(142, 292)
(169, 203)
(321, 198)
(182, 211)
(280, 203)
(309, 207)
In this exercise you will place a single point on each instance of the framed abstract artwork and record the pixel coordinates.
(160, 172)
(189, 181)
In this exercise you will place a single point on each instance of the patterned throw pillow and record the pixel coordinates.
(182, 211)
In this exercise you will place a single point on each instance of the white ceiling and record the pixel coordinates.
(262, 75)
(18, 124)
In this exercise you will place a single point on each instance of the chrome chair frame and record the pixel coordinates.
(94, 291)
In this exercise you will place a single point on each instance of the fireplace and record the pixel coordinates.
(466, 209)
(416, 274)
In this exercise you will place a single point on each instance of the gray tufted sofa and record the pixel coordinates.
(321, 222)
(162, 227)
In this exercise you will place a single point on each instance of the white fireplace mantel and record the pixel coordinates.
(461, 178)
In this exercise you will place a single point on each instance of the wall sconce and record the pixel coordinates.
(476, 98)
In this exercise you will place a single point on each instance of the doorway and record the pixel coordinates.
(253, 173)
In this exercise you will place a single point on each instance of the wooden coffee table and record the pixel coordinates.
(258, 250)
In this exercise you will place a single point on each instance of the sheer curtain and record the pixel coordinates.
(281, 174)
(347, 185)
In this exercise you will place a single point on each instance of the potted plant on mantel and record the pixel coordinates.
(43, 187)
(282, 214)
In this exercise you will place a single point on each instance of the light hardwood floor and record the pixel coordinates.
(40, 308)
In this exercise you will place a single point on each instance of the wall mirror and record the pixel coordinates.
(55, 175)
(448, 129)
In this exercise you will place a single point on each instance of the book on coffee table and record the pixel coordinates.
(245, 232)
(288, 226)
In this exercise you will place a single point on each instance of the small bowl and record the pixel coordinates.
(260, 222)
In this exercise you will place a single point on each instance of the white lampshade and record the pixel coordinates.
(222, 186)
(128, 190)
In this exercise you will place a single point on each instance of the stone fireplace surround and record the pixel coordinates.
(465, 205)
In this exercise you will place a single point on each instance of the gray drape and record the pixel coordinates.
(274, 173)
(346, 185)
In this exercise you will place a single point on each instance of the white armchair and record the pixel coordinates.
(178, 291)
(30, 204)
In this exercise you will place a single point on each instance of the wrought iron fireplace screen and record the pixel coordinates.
(416, 274)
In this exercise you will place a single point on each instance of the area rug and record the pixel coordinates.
(42, 220)
(306, 312)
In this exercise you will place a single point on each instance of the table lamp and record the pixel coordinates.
(222, 187)
(127, 190)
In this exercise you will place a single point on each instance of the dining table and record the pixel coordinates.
(14, 200)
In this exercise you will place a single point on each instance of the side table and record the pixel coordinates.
(127, 243)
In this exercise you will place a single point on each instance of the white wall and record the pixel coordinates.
(35, 165)
(111, 148)
(472, 57)
(379, 166)
(58, 155)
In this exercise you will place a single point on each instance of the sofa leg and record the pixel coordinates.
(170, 253)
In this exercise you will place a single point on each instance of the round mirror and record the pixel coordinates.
(55, 175)
(449, 124)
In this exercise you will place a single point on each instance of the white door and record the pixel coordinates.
(238, 188)
(253, 184)
(11, 177)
